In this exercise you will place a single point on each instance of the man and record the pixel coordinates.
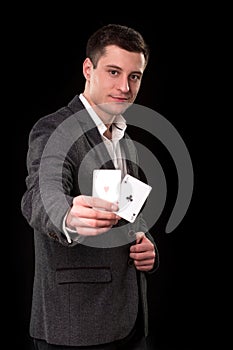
(90, 264)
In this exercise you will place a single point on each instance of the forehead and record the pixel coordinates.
(125, 60)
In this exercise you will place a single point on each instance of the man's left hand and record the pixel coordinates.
(143, 253)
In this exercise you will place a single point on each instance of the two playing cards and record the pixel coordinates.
(130, 194)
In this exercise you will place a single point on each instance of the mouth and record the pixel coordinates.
(120, 99)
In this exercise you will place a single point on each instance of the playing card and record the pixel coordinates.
(133, 194)
(106, 184)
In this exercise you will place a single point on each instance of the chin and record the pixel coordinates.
(116, 107)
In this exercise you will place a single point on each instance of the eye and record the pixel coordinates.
(135, 77)
(113, 72)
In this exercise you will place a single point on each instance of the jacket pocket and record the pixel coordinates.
(84, 275)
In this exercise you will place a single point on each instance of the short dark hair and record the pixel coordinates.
(115, 34)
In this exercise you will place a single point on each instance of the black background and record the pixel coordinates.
(48, 51)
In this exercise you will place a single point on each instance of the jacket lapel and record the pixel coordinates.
(131, 155)
(92, 135)
(95, 141)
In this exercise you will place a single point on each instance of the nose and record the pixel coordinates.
(123, 84)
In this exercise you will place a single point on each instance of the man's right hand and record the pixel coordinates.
(91, 216)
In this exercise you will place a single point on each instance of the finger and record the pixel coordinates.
(142, 256)
(86, 212)
(144, 268)
(88, 201)
(90, 231)
(92, 223)
(139, 237)
(142, 247)
(148, 262)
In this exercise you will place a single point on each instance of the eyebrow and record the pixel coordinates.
(119, 68)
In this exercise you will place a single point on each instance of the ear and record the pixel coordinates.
(87, 67)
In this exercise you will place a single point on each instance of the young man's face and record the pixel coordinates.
(114, 84)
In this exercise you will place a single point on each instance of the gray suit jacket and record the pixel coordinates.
(89, 292)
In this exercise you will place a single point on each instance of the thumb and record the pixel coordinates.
(139, 237)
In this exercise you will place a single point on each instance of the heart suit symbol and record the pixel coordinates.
(106, 188)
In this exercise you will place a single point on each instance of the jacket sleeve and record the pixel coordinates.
(46, 199)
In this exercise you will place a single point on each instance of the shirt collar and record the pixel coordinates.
(118, 126)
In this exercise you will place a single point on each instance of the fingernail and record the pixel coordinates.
(114, 207)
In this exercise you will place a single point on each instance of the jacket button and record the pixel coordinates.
(130, 262)
(53, 235)
(131, 233)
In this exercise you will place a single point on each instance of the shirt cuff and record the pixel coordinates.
(71, 235)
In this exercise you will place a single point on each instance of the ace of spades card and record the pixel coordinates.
(106, 184)
(132, 197)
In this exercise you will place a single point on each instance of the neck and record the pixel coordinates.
(108, 132)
